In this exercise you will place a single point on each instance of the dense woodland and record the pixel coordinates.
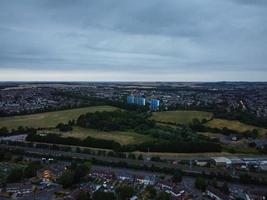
(114, 121)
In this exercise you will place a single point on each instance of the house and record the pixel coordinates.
(215, 194)
(263, 166)
(102, 174)
(165, 185)
(257, 194)
(19, 188)
(201, 163)
(176, 192)
(237, 162)
(134, 198)
(146, 180)
(52, 172)
(221, 161)
(261, 143)
(125, 177)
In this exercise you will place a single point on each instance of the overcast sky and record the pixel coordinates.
(127, 40)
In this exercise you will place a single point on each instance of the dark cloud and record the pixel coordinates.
(184, 36)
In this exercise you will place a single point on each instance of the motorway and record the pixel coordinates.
(74, 155)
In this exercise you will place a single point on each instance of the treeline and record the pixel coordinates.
(4, 132)
(87, 142)
(17, 174)
(65, 127)
(154, 146)
(112, 121)
(243, 116)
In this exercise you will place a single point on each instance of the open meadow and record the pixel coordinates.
(49, 119)
(234, 125)
(185, 117)
(180, 116)
(122, 137)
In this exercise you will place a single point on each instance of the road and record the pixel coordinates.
(186, 168)
(42, 195)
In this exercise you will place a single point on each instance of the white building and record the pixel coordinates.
(221, 161)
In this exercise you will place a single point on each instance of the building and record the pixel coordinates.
(237, 162)
(130, 99)
(201, 163)
(263, 166)
(125, 176)
(154, 104)
(146, 180)
(140, 101)
(136, 100)
(134, 198)
(221, 161)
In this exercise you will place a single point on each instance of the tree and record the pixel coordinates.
(101, 195)
(84, 196)
(81, 171)
(225, 188)
(214, 182)
(74, 174)
(152, 192)
(124, 192)
(64, 127)
(163, 196)
(131, 156)
(177, 176)
(155, 158)
(140, 157)
(200, 183)
(34, 192)
(245, 178)
(4, 131)
(5, 156)
(67, 178)
(15, 175)
(31, 170)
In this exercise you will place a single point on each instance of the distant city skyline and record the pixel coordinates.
(125, 40)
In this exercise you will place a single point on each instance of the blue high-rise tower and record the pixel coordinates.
(130, 99)
(140, 101)
(154, 104)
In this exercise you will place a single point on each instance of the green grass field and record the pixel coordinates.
(122, 137)
(49, 119)
(234, 125)
(180, 116)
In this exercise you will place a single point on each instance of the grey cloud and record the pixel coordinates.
(163, 36)
(251, 2)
